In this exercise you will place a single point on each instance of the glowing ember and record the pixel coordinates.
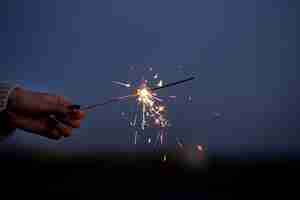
(144, 95)
(151, 108)
(164, 158)
(161, 108)
(200, 148)
(122, 84)
(160, 83)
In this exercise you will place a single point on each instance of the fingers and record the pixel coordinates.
(73, 119)
(63, 129)
(57, 105)
(66, 112)
(43, 126)
(77, 114)
(37, 103)
(71, 122)
(30, 111)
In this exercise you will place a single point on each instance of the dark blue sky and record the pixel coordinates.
(243, 52)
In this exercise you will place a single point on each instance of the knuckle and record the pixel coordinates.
(48, 98)
(63, 101)
(59, 100)
(72, 122)
(76, 124)
(67, 132)
(83, 114)
(59, 103)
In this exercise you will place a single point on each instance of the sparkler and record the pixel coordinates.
(173, 84)
(153, 111)
(144, 93)
(150, 106)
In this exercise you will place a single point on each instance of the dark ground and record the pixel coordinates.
(145, 176)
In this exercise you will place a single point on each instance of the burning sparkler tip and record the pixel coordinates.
(164, 158)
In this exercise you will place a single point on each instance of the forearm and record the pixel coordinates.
(6, 91)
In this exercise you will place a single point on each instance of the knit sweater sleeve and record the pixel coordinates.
(5, 91)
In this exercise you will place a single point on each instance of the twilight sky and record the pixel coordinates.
(244, 54)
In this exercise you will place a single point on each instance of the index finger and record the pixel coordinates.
(77, 114)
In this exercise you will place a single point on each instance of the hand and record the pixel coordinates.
(31, 111)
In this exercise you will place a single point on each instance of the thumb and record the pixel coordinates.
(57, 105)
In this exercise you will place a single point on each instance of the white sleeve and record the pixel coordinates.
(5, 91)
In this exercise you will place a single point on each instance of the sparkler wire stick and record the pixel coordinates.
(173, 84)
(91, 107)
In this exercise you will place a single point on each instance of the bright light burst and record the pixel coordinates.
(150, 110)
(151, 107)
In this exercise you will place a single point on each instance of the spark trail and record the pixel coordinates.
(128, 85)
(151, 110)
(145, 92)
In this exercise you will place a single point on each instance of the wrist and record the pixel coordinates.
(6, 90)
(12, 101)
(15, 94)
(9, 94)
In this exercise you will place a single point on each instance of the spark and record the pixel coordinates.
(157, 121)
(161, 138)
(135, 119)
(160, 83)
(199, 148)
(217, 115)
(128, 85)
(161, 108)
(164, 158)
(117, 99)
(144, 118)
(179, 143)
(158, 99)
(135, 137)
(153, 109)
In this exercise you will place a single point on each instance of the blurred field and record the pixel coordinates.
(144, 175)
